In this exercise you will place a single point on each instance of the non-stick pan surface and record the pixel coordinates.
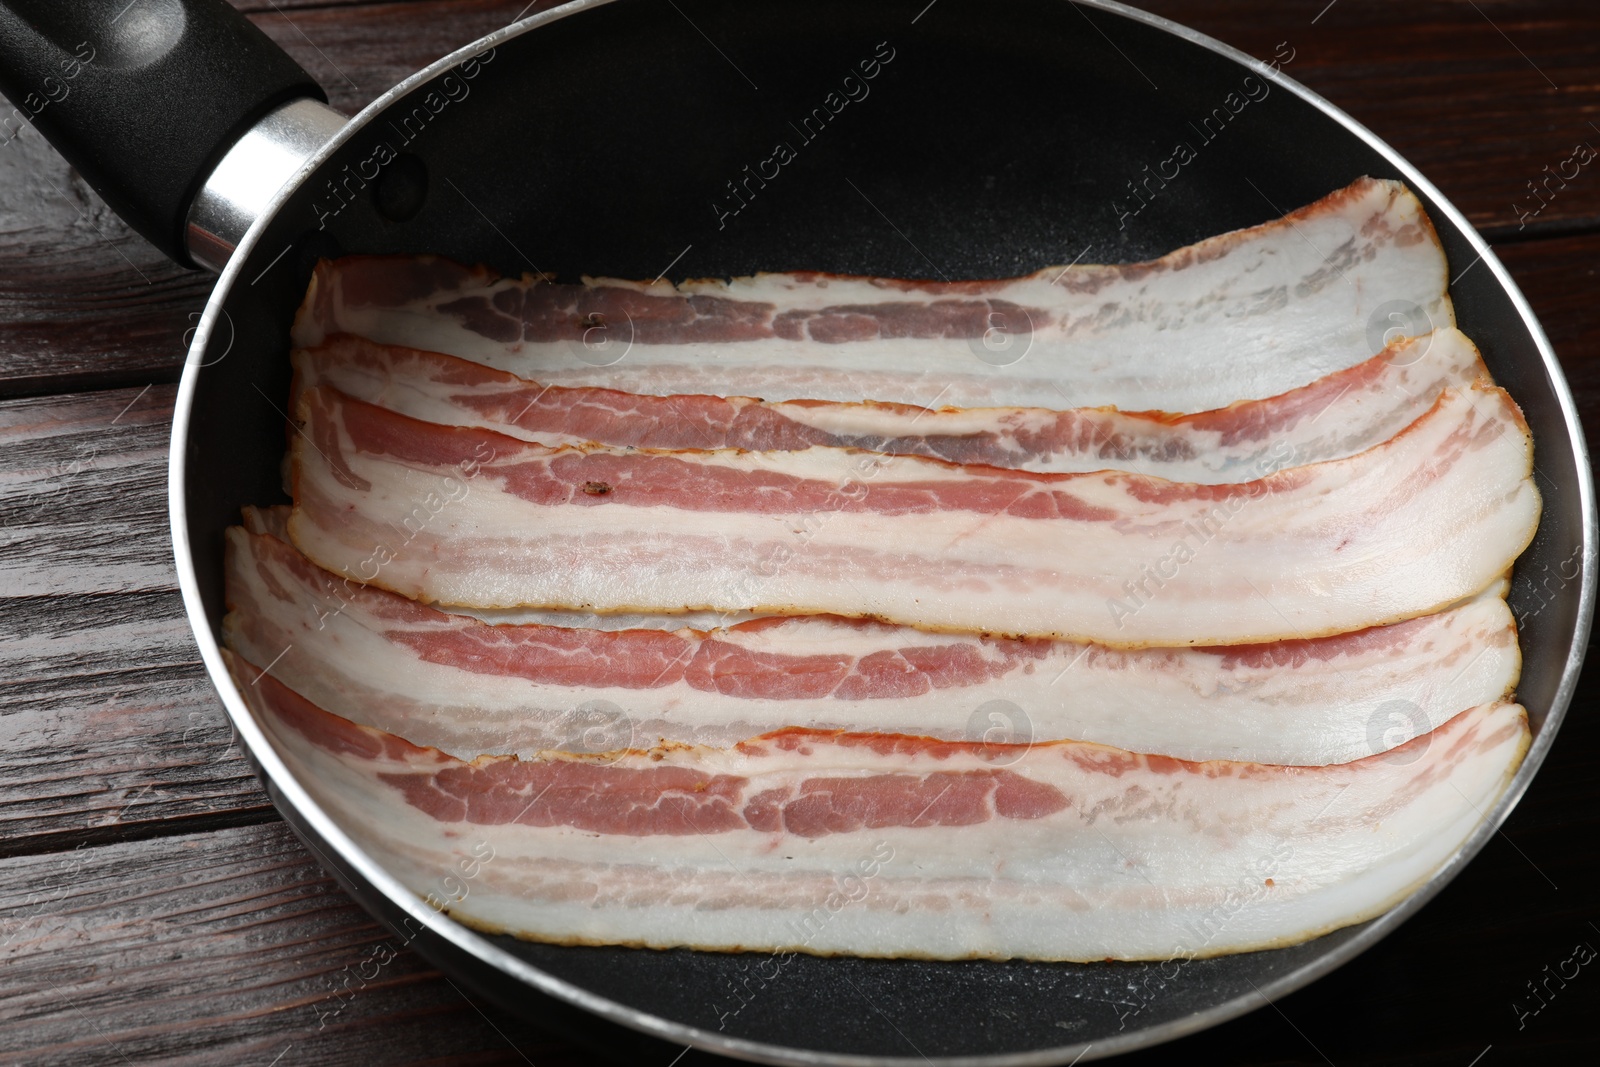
(998, 137)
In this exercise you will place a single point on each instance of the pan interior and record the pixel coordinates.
(992, 139)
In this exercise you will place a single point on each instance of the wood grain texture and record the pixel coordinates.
(358, 53)
(1560, 279)
(229, 947)
(1480, 96)
(83, 485)
(84, 301)
(109, 728)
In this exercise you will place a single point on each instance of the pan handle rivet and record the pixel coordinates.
(402, 188)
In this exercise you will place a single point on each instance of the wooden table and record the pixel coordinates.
(154, 909)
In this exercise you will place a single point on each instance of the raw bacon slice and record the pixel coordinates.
(892, 846)
(464, 516)
(1246, 315)
(458, 684)
(1336, 416)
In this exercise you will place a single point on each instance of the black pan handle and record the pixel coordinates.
(143, 97)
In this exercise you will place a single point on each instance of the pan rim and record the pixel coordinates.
(288, 791)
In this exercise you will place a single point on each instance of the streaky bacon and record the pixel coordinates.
(900, 846)
(465, 516)
(1339, 415)
(458, 684)
(1247, 315)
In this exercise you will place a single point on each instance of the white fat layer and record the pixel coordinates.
(1146, 864)
(1142, 865)
(1429, 518)
(1247, 315)
(1185, 703)
(1355, 416)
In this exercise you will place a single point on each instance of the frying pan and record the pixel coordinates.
(599, 137)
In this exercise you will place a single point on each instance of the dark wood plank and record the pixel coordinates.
(229, 947)
(83, 485)
(358, 53)
(108, 725)
(273, 7)
(1480, 96)
(85, 302)
(1560, 279)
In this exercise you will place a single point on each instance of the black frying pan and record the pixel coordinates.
(599, 138)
